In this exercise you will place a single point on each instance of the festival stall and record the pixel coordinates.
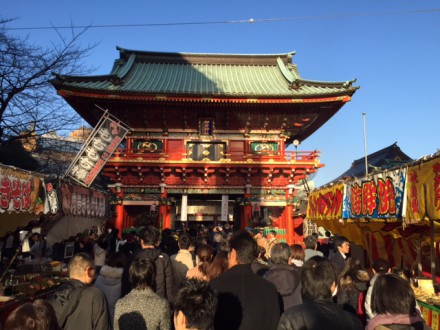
(57, 209)
(392, 214)
(82, 208)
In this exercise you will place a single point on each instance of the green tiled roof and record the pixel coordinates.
(213, 75)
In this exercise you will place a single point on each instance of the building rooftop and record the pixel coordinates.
(210, 75)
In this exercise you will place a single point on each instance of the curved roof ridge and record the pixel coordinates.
(126, 66)
(205, 58)
(347, 83)
(285, 71)
(62, 77)
(125, 50)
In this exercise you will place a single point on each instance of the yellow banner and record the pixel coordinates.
(423, 191)
(326, 203)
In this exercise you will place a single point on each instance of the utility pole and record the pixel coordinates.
(365, 143)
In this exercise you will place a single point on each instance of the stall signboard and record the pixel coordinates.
(326, 203)
(21, 191)
(423, 191)
(85, 202)
(98, 148)
(380, 196)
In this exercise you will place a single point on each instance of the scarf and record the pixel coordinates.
(386, 319)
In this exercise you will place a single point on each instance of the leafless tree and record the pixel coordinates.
(29, 106)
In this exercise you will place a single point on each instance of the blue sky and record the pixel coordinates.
(391, 47)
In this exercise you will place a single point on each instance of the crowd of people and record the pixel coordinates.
(214, 278)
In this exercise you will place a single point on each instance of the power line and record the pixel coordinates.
(244, 21)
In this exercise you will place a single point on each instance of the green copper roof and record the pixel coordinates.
(214, 75)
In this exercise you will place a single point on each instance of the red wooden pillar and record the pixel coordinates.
(247, 209)
(288, 217)
(164, 210)
(119, 221)
(297, 223)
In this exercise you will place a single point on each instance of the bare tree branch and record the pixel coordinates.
(28, 102)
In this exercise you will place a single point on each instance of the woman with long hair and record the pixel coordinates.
(218, 266)
(205, 254)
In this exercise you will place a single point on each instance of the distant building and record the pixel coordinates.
(380, 160)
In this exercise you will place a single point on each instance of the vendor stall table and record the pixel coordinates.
(431, 314)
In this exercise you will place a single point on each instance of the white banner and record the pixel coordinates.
(98, 148)
(225, 208)
(184, 208)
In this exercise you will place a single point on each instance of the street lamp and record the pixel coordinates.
(296, 144)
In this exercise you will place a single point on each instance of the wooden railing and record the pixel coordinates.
(299, 156)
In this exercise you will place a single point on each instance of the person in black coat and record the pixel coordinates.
(342, 249)
(76, 303)
(164, 278)
(245, 300)
(318, 311)
(284, 276)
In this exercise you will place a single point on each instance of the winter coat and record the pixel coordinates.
(349, 291)
(287, 280)
(142, 309)
(99, 255)
(338, 259)
(164, 279)
(81, 306)
(318, 314)
(182, 262)
(246, 301)
(109, 281)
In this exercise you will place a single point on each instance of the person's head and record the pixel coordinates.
(38, 315)
(392, 295)
(195, 305)
(280, 254)
(381, 266)
(311, 242)
(318, 279)
(149, 236)
(271, 234)
(184, 242)
(297, 252)
(117, 260)
(82, 268)
(217, 237)
(141, 274)
(36, 237)
(218, 266)
(353, 271)
(343, 245)
(205, 252)
(242, 249)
